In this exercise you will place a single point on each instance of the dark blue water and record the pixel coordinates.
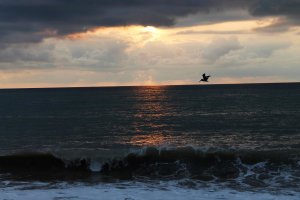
(262, 116)
(204, 127)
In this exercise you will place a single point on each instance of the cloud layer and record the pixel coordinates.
(33, 20)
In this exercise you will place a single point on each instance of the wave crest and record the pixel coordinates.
(253, 167)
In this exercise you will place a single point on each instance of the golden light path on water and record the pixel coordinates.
(152, 105)
(150, 140)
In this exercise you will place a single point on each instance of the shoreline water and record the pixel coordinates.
(135, 192)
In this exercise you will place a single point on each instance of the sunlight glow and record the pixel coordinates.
(150, 29)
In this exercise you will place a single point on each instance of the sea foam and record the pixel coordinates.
(136, 192)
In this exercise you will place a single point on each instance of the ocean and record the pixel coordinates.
(151, 142)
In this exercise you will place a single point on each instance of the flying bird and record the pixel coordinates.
(204, 78)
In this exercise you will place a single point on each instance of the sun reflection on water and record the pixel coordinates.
(150, 111)
(150, 140)
(150, 108)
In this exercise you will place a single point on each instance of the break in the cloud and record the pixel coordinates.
(112, 42)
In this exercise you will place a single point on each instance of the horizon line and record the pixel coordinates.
(158, 85)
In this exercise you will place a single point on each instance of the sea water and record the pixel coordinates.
(158, 142)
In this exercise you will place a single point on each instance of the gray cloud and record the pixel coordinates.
(289, 8)
(215, 16)
(33, 20)
(253, 54)
(219, 48)
(265, 50)
(103, 54)
(278, 25)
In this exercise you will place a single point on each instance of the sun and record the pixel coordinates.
(150, 29)
(152, 32)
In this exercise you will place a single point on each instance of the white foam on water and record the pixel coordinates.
(95, 166)
(143, 192)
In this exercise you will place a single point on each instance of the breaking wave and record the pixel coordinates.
(255, 168)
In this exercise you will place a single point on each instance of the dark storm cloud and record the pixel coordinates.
(289, 8)
(32, 20)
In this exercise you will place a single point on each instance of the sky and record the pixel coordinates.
(63, 43)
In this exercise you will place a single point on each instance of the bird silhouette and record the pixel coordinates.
(204, 78)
